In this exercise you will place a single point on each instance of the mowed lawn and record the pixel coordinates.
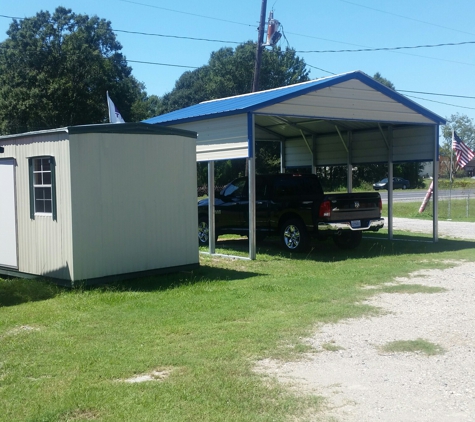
(182, 347)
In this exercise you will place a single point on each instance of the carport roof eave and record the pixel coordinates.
(346, 119)
(253, 102)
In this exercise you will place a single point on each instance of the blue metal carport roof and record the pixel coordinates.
(257, 100)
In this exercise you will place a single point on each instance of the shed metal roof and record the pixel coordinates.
(125, 128)
(254, 102)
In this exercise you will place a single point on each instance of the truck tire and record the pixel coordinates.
(294, 236)
(348, 239)
(203, 231)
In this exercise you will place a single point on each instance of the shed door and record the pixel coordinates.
(8, 238)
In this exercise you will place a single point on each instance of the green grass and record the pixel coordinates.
(410, 289)
(65, 354)
(413, 346)
(455, 210)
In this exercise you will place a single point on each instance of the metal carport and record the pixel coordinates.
(347, 119)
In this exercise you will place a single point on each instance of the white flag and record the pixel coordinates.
(114, 115)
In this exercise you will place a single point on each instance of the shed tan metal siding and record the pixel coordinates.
(44, 245)
(133, 203)
(220, 138)
(350, 100)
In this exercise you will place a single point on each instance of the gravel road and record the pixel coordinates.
(451, 229)
(363, 383)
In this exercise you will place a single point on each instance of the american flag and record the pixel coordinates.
(463, 152)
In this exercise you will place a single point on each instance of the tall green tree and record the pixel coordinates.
(465, 128)
(55, 70)
(230, 72)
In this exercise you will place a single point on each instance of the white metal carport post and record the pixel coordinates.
(390, 182)
(435, 187)
(389, 144)
(252, 185)
(211, 225)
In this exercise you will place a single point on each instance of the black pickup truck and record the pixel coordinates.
(294, 207)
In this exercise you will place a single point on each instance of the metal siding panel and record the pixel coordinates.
(369, 147)
(297, 154)
(221, 138)
(351, 100)
(134, 209)
(44, 245)
(413, 143)
(330, 151)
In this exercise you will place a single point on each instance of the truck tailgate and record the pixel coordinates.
(354, 206)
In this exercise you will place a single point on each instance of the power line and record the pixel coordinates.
(386, 48)
(175, 36)
(406, 17)
(442, 95)
(184, 13)
(163, 64)
(440, 102)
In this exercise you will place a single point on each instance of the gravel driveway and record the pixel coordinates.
(446, 228)
(363, 383)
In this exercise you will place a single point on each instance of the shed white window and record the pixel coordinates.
(42, 187)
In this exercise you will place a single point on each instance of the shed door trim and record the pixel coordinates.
(8, 229)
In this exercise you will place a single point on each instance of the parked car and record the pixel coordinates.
(398, 183)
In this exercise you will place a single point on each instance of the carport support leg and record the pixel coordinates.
(212, 237)
(390, 183)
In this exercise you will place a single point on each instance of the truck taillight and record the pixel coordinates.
(380, 205)
(325, 209)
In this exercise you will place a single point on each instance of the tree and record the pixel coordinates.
(465, 128)
(55, 71)
(229, 72)
(386, 82)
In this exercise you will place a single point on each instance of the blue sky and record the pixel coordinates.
(308, 25)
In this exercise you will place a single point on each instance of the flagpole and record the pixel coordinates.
(451, 177)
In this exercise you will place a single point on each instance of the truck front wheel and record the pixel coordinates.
(294, 236)
(348, 239)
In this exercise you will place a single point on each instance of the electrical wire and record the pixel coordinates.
(439, 102)
(387, 48)
(184, 13)
(163, 64)
(407, 17)
(175, 36)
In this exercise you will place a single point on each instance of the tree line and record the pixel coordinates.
(55, 69)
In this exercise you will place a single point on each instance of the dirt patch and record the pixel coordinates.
(362, 383)
(156, 375)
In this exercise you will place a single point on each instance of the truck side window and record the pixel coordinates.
(235, 189)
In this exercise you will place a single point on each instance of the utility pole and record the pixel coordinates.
(260, 42)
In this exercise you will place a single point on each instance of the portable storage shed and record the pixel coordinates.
(98, 202)
(347, 119)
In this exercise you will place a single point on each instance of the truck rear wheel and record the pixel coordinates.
(294, 236)
(348, 239)
(203, 231)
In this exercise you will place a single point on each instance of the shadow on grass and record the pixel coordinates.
(174, 280)
(373, 245)
(16, 291)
